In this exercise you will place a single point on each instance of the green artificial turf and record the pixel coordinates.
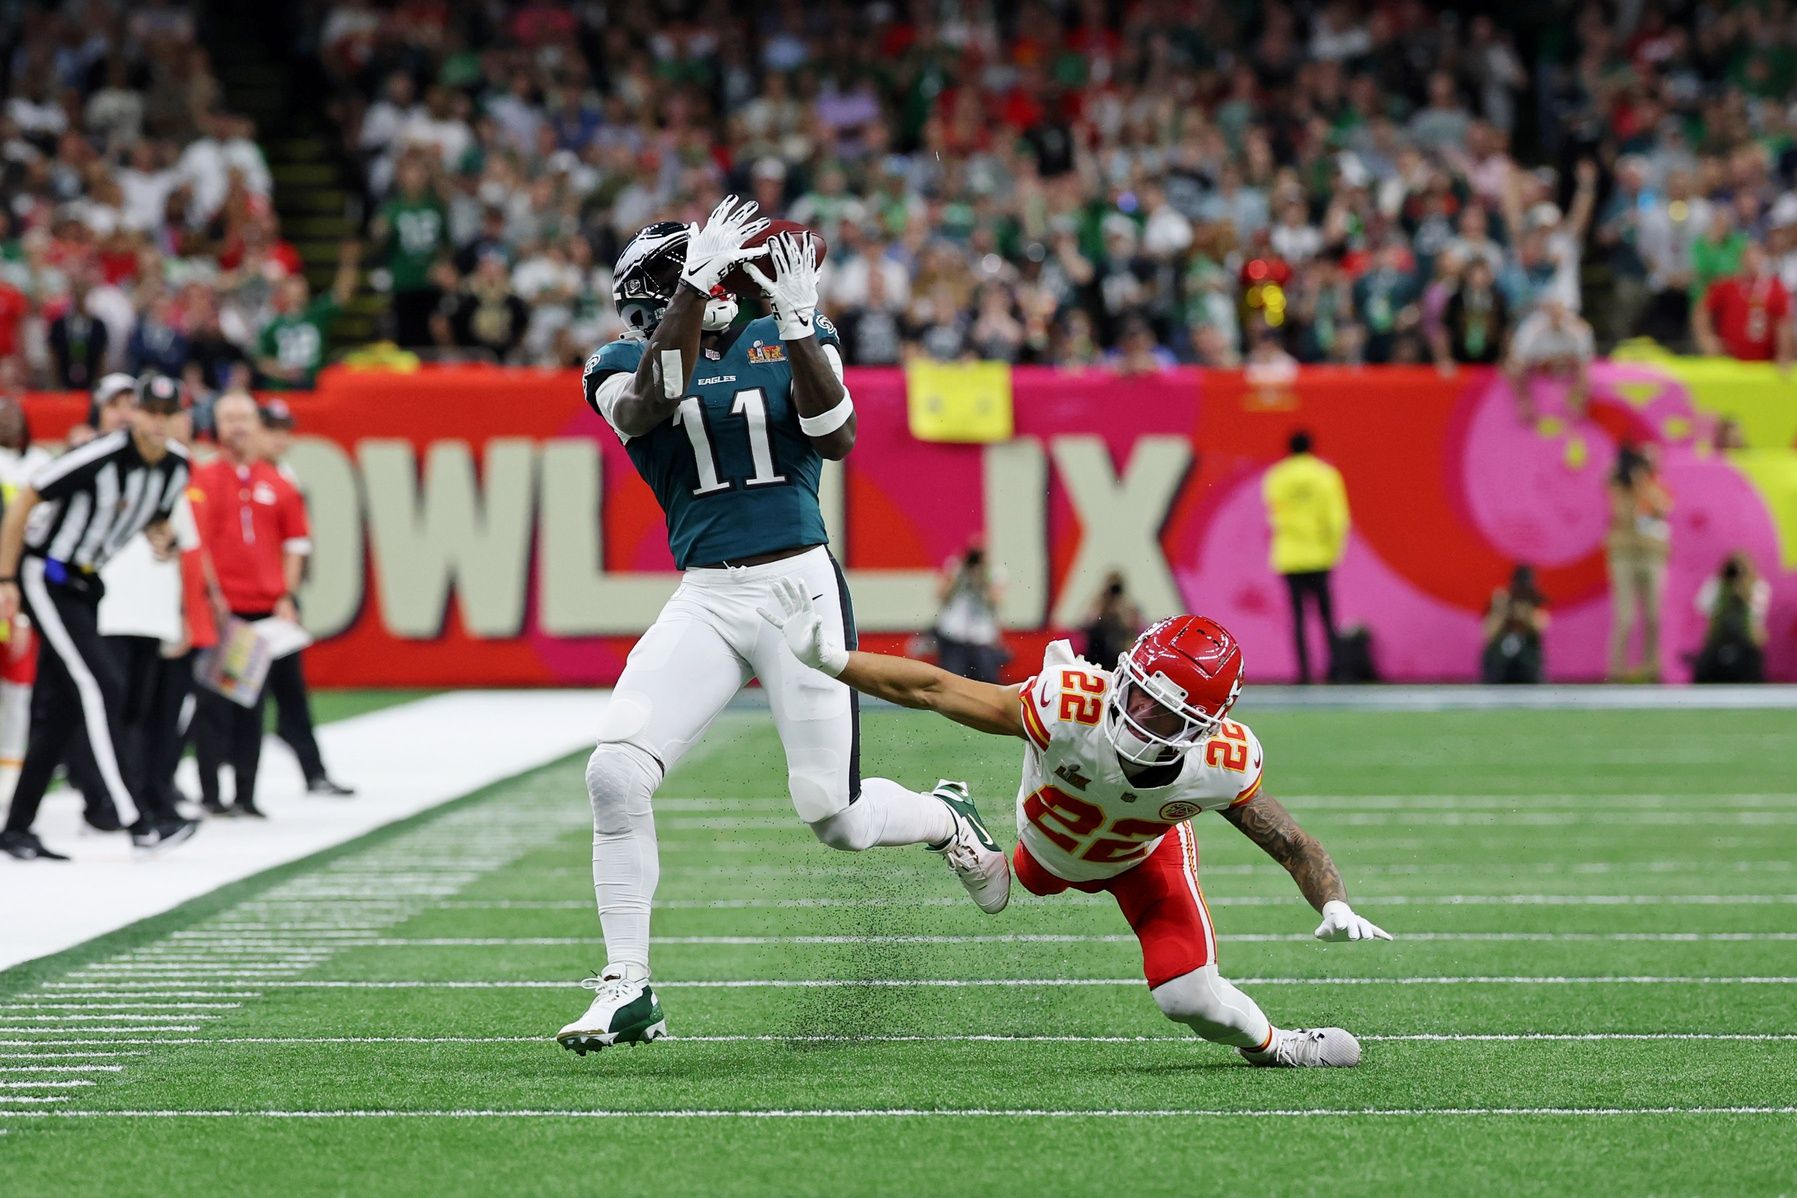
(1638, 845)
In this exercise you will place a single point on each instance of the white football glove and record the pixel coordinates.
(792, 292)
(1340, 923)
(794, 614)
(717, 245)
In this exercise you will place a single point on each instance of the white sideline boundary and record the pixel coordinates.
(395, 757)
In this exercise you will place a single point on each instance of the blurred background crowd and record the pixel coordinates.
(1078, 182)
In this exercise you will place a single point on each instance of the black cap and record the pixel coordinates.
(160, 393)
(276, 414)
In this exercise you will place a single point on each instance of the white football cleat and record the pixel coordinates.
(971, 851)
(1308, 1048)
(623, 1011)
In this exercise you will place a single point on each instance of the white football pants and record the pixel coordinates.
(706, 645)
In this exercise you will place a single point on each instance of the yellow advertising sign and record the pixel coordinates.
(959, 401)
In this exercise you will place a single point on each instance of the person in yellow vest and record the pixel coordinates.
(1307, 505)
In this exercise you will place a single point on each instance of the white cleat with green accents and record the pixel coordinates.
(971, 852)
(624, 1011)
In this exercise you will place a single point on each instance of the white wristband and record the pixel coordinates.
(794, 329)
(832, 661)
(825, 423)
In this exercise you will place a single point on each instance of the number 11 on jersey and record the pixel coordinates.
(751, 405)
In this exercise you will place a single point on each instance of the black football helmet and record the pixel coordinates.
(648, 274)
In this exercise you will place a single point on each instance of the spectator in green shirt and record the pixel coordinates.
(291, 347)
(1717, 254)
(412, 228)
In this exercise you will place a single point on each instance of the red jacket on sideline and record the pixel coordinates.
(250, 518)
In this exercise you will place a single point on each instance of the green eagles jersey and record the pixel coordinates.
(298, 339)
(417, 231)
(732, 470)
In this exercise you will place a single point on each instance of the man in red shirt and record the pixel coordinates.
(253, 524)
(1747, 316)
(14, 308)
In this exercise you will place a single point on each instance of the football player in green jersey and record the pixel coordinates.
(730, 424)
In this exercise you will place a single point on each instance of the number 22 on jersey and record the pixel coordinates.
(1071, 824)
(1082, 697)
(751, 405)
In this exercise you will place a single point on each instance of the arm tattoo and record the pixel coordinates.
(1264, 820)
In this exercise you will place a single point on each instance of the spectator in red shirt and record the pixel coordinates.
(14, 308)
(253, 523)
(1747, 316)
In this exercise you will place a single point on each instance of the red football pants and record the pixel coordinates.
(1160, 898)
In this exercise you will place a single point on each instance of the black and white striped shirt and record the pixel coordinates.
(96, 498)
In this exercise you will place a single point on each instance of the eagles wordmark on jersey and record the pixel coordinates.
(734, 473)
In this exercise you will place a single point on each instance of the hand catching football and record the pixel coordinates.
(738, 279)
(790, 283)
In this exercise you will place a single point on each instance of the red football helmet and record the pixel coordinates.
(1172, 688)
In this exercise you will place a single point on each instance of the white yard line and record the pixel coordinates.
(52, 1031)
(122, 1006)
(594, 941)
(816, 983)
(394, 756)
(932, 1113)
(1522, 813)
(1368, 901)
(774, 811)
(965, 1038)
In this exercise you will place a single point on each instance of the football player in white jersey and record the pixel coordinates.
(1118, 762)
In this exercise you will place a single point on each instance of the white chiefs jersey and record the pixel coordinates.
(1078, 813)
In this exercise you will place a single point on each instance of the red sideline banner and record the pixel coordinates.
(481, 527)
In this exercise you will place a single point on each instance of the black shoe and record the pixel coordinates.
(103, 819)
(211, 806)
(322, 785)
(26, 847)
(175, 831)
(242, 808)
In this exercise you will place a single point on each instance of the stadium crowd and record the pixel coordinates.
(1176, 180)
(137, 230)
(1078, 182)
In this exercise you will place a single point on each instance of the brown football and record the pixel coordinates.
(742, 284)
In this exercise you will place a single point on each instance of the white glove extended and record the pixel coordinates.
(792, 291)
(1340, 923)
(713, 248)
(796, 617)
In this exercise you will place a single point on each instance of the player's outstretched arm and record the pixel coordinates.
(672, 354)
(1264, 820)
(979, 705)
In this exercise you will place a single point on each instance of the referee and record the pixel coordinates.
(93, 500)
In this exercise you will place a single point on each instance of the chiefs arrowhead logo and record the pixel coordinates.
(1179, 810)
